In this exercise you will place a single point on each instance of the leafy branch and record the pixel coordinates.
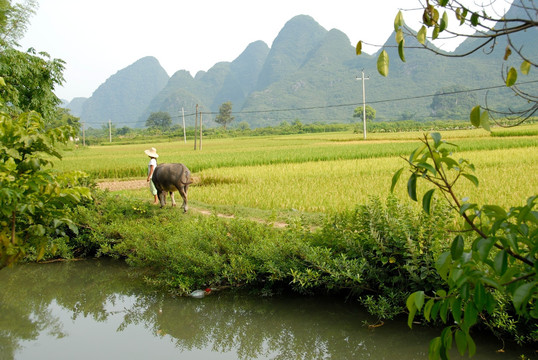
(488, 38)
(501, 258)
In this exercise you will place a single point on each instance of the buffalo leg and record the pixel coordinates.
(172, 197)
(183, 192)
(162, 198)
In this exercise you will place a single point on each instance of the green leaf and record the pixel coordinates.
(475, 116)
(411, 306)
(463, 15)
(383, 63)
(443, 311)
(471, 345)
(428, 309)
(450, 163)
(491, 303)
(395, 179)
(470, 315)
(427, 201)
(410, 301)
(444, 22)
(479, 296)
(500, 264)
(416, 152)
(412, 187)
(525, 67)
(401, 53)
(434, 350)
(435, 32)
(456, 310)
(494, 211)
(456, 249)
(471, 178)
(399, 36)
(435, 310)
(443, 3)
(358, 48)
(436, 138)
(419, 299)
(522, 294)
(484, 247)
(466, 206)
(474, 19)
(41, 252)
(484, 121)
(428, 167)
(461, 341)
(421, 35)
(446, 338)
(398, 21)
(442, 264)
(511, 78)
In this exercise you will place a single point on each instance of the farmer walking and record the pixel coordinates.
(152, 153)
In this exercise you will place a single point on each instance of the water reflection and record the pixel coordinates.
(95, 309)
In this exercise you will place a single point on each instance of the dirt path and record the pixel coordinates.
(122, 185)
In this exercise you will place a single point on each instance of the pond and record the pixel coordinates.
(102, 309)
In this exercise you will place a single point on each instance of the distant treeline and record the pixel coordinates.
(129, 135)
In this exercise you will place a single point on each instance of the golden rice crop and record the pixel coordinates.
(331, 186)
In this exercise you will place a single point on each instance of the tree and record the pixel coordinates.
(63, 117)
(159, 120)
(452, 102)
(243, 126)
(485, 36)
(14, 20)
(370, 113)
(225, 114)
(29, 77)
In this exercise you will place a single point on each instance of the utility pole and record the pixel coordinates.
(184, 133)
(200, 131)
(195, 126)
(110, 129)
(363, 102)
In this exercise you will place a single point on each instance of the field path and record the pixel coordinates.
(122, 185)
(139, 184)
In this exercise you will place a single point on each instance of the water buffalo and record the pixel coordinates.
(169, 178)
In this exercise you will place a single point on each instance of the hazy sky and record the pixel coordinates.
(99, 37)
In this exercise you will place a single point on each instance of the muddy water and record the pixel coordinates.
(102, 310)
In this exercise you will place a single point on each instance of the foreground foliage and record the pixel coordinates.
(33, 199)
(495, 256)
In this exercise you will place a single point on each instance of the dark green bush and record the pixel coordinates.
(381, 253)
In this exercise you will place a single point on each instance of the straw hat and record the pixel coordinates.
(152, 153)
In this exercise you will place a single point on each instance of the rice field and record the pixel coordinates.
(320, 173)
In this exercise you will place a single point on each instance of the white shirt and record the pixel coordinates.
(152, 162)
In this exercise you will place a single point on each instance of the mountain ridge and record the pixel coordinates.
(308, 74)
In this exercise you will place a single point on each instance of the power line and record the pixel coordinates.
(244, 112)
